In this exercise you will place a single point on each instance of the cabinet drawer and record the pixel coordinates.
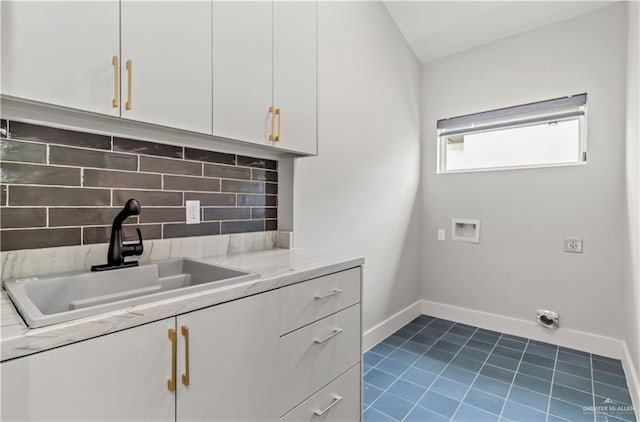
(312, 300)
(338, 401)
(314, 355)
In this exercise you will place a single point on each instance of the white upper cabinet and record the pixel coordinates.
(295, 64)
(166, 63)
(117, 377)
(242, 70)
(62, 53)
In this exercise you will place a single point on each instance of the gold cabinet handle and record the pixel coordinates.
(116, 85)
(129, 65)
(185, 332)
(272, 135)
(171, 383)
(278, 114)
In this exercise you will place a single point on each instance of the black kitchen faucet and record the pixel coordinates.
(118, 250)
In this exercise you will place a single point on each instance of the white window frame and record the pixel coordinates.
(510, 123)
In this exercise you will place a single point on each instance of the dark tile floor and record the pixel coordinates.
(438, 370)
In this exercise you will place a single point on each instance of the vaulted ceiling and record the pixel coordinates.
(436, 29)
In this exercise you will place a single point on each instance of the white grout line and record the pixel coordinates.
(593, 388)
(553, 375)
(515, 374)
(477, 375)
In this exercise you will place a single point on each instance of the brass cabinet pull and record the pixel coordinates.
(185, 332)
(272, 135)
(116, 85)
(129, 65)
(277, 113)
(171, 383)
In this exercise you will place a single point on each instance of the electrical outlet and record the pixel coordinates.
(193, 212)
(573, 245)
(441, 235)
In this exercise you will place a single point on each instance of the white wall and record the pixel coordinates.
(632, 265)
(359, 195)
(519, 265)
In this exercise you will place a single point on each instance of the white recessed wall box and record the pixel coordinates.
(465, 230)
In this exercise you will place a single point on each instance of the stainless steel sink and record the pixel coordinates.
(49, 300)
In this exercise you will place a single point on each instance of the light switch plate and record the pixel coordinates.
(441, 235)
(193, 212)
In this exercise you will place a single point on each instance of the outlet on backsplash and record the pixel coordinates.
(193, 212)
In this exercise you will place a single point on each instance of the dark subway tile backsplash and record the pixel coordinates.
(257, 162)
(89, 158)
(39, 238)
(16, 218)
(57, 196)
(170, 166)
(149, 148)
(35, 174)
(121, 179)
(64, 187)
(209, 156)
(51, 135)
(26, 152)
(191, 183)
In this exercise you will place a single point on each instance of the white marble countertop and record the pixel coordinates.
(277, 268)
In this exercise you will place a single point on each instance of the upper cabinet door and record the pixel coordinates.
(242, 70)
(62, 53)
(166, 63)
(295, 74)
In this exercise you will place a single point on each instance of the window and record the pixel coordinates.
(546, 133)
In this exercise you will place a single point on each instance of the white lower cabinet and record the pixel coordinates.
(117, 377)
(227, 362)
(232, 357)
(338, 401)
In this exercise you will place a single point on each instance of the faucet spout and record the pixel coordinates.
(117, 249)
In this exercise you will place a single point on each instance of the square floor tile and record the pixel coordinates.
(484, 401)
(518, 412)
(532, 383)
(460, 375)
(495, 372)
(493, 386)
(392, 366)
(409, 391)
(382, 349)
(569, 411)
(370, 393)
(449, 388)
(373, 415)
(420, 414)
(393, 406)
(529, 398)
(379, 379)
(418, 376)
(438, 403)
(468, 413)
(535, 371)
(573, 381)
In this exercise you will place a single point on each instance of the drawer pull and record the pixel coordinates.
(336, 331)
(336, 399)
(331, 293)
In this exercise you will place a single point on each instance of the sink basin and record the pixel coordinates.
(49, 300)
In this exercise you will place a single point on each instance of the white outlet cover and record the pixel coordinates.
(573, 245)
(193, 212)
(441, 235)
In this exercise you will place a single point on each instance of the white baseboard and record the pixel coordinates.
(632, 377)
(390, 325)
(594, 343)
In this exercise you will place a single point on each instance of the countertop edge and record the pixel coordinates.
(23, 341)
